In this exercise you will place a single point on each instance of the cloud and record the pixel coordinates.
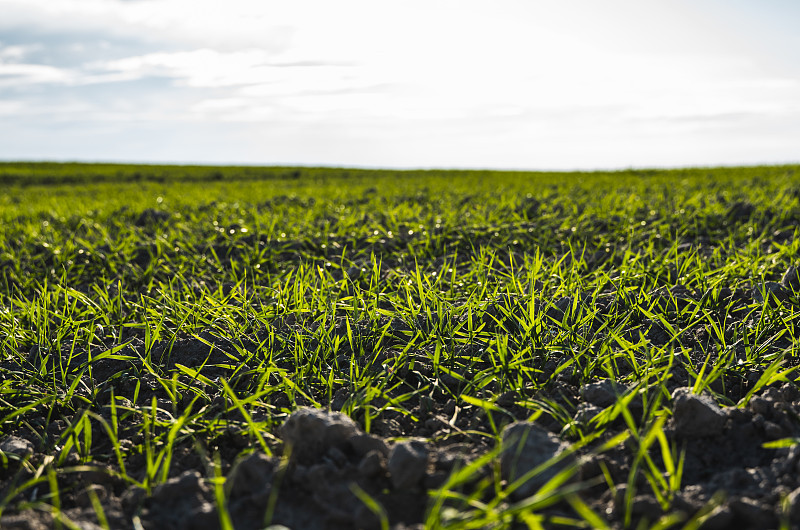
(14, 75)
(18, 53)
(355, 81)
(212, 68)
(10, 108)
(169, 24)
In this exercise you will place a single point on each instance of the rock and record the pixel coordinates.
(696, 416)
(14, 445)
(769, 291)
(602, 393)
(309, 432)
(791, 279)
(560, 308)
(408, 462)
(564, 303)
(524, 447)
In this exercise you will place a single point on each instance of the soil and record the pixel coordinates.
(317, 471)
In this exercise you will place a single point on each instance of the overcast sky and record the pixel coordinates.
(493, 84)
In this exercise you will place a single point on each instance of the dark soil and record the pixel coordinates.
(322, 464)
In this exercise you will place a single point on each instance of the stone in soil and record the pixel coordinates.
(769, 291)
(791, 279)
(696, 416)
(524, 447)
(311, 432)
(16, 446)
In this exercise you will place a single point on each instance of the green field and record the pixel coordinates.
(159, 320)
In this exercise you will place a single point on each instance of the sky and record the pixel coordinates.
(503, 84)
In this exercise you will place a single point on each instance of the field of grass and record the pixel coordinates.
(159, 324)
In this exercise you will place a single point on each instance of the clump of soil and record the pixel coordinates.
(326, 466)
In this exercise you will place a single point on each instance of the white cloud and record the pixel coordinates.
(197, 68)
(26, 74)
(13, 54)
(495, 77)
(11, 108)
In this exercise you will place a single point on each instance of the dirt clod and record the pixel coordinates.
(372, 465)
(251, 475)
(177, 502)
(602, 393)
(696, 416)
(525, 446)
(408, 462)
(363, 444)
(770, 292)
(791, 279)
(311, 432)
